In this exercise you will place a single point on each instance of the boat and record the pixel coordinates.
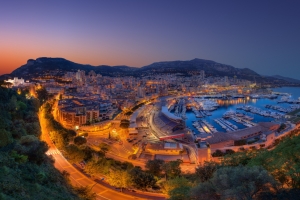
(254, 96)
(240, 114)
(229, 113)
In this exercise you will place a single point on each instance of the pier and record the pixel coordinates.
(204, 127)
(225, 125)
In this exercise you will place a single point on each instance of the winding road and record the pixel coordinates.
(102, 190)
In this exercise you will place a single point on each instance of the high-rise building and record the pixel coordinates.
(141, 92)
(235, 81)
(226, 81)
(202, 74)
(80, 75)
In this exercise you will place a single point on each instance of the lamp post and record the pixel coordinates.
(93, 186)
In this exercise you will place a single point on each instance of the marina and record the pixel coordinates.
(244, 112)
(243, 121)
(204, 127)
(200, 113)
(226, 125)
(225, 113)
(284, 110)
(259, 111)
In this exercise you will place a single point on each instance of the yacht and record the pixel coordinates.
(229, 114)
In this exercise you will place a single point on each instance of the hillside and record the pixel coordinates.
(292, 80)
(25, 170)
(211, 68)
(59, 66)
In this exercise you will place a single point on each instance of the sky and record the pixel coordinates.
(263, 35)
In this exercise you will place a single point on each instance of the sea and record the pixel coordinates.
(231, 105)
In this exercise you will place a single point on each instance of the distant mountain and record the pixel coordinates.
(211, 68)
(59, 66)
(292, 80)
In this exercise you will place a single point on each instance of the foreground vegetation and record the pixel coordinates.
(259, 174)
(25, 170)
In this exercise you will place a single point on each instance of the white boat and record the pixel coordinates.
(229, 113)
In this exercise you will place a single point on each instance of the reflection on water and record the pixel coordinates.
(233, 104)
(229, 102)
(294, 91)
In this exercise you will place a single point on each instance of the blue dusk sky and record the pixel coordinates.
(261, 35)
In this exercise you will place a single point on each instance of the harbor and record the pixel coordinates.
(226, 125)
(204, 127)
(207, 114)
(239, 113)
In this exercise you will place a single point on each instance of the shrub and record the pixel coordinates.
(80, 140)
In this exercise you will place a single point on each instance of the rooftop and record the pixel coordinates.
(173, 145)
(166, 112)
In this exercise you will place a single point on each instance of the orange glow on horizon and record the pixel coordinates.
(15, 52)
(9, 62)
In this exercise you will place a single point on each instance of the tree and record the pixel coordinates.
(13, 103)
(229, 151)
(33, 128)
(154, 166)
(205, 172)
(19, 157)
(119, 178)
(93, 167)
(180, 193)
(74, 154)
(98, 166)
(79, 140)
(280, 194)
(141, 180)
(218, 153)
(240, 182)
(178, 182)
(128, 113)
(28, 139)
(240, 158)
(281, 127)
(126, 166)
(104, 147)
(240, 142)
(172, 169)
(85, 193)
(33, 148)
(5, 138)
(283, 162)
(42, 94)
(58, 139)
(204, 191)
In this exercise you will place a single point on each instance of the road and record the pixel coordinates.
(103, 191)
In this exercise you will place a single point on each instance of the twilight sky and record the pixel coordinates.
(263, 35)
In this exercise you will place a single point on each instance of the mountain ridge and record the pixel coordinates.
(59, 66)
(287, 78)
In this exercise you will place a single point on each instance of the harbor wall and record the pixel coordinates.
(270, 141)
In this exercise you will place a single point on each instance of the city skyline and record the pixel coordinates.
(261, 36)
